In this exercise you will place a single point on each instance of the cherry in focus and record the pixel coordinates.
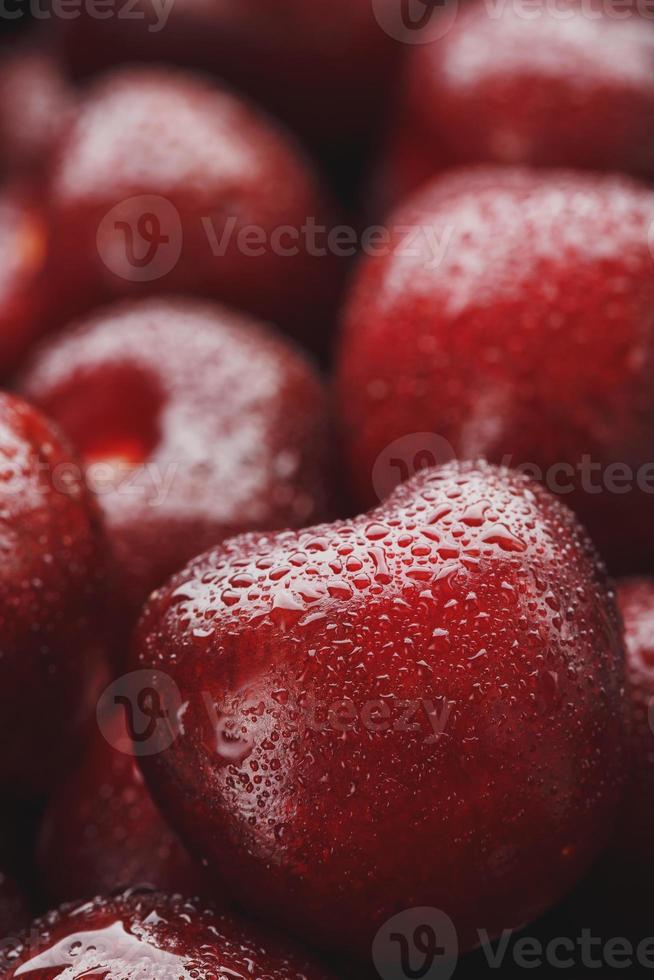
(136, 935)
(384, 713)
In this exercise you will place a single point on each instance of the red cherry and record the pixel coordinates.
(135, 936)
(204, 424)
(14, 914)
(632, 847)
(324, 66)
(50, 633)
(164, 181)
(35, 103)
(101, 832)
(514, 324)
(568, 88)
(387, 712)
(23, 238)
(613, 897)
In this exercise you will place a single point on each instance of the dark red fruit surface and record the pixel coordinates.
(35, 102)
(14, 914)
(387, 712)
(151, 937)
(556, 87)
(323, 66)
(164, 181)
(23, 243)
(515, 324)
(50, 629)
(200, 422)
(101, 833)
(633, 845)
(614, 897)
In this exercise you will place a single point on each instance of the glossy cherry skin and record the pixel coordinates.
(151, 935)
(23, 246)
(51, 582)
(35, 104)
(200, 423)
(101, 833)
(205, 190)
(513, 325)
(385, 712)
(14, 914)
(557, 88)
(322, 66)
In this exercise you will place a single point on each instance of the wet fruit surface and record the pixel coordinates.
(164, 182)
(200, 422)
(101, 833)
(515, 324)
(51, 627)
(562, 88)
(14, 914)
(151, 937)
(385, 713)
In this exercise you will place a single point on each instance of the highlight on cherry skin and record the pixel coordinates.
(183, 447)
(471, 341)
(150, 936)
(561, 86)
(450, 662)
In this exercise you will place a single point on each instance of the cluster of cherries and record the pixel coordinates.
(267, 679)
